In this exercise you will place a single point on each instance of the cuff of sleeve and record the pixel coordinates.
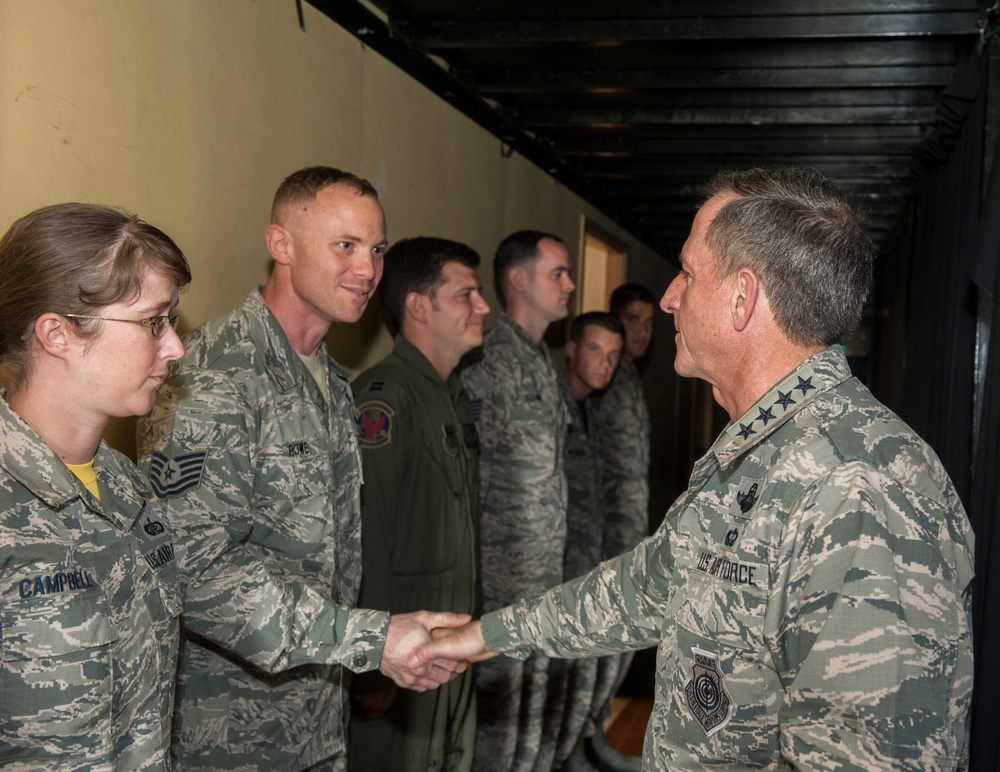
(500, 635)
(364, 638)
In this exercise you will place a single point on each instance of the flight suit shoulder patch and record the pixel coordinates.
(374, 424)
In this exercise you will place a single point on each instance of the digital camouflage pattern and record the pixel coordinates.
(522, 423)
(584, 526)
(89, 609)
(261, 480)
(809, 592)
(586, 445)
(623, 422)
(622, 417)
(420, 518)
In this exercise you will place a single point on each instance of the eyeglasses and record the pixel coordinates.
(156, 324)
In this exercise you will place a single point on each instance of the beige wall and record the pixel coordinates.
(190, 112)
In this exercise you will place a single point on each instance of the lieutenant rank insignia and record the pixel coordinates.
(706, 694)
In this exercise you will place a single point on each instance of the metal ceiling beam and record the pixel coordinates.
(730, 54)
(557, 10)
(619, 146)
(536, 117)
(904, 98)
(373, 32)
(494, 82)
(468, 34)
(875, 167)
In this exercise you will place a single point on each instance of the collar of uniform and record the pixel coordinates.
(281, 360)
(415, 358)
(624, 366)
(26, 458)
(567, 394)
(816, 375)
(504, 322)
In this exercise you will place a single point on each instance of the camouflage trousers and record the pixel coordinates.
(591, 685)
(511, 697)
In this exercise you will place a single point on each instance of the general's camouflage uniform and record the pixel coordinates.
(584, 526)
(261, 478)
(622, 417)
(420, 514)
(522, 422)
(89, 608)
(808, 592)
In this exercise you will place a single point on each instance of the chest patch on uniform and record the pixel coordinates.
(470, 436)
(705, 693)
(374, 424)
(726, 569)
(744, 497)
(58, 582)
(177, 475)
(450, 440)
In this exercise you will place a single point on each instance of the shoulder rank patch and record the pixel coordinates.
(374, 425)
(477, 409)
(177, 475)
(706, 694)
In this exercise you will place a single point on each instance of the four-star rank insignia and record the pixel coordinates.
(706, 694)
(374, 424)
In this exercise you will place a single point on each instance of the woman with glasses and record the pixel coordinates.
(89, 605)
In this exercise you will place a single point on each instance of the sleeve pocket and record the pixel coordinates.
(56, 678)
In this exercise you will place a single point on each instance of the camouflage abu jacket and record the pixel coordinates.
(808, 593)
(623, 421)
(584, 468)
(89, 611)
(522, 422)
(261, 480)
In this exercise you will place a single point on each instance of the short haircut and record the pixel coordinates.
(302, 186)
(629, 293)
(595, 318)
(518, 249)
(74, 259)
(805, 242)
(417, 265)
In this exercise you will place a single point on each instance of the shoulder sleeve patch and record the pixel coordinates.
(477, 409)
(177, 475)
(374, 424)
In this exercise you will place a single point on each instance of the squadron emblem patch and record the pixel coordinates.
(374, 425)
(706, 694)
(177, 475)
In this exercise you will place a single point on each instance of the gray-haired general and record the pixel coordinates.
(809, 592)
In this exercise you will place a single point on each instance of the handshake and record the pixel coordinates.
(426, 649)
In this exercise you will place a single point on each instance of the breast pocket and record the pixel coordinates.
(533, 443)
(56, 640)
(294, 496)
(716, 656)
